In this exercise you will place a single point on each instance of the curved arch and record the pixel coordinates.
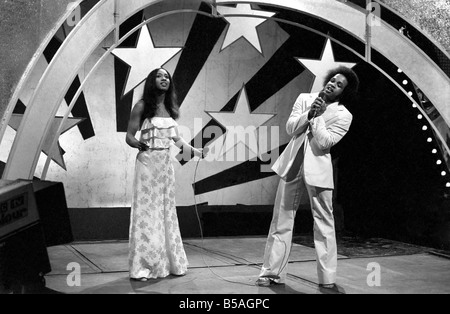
(101, 22)
(48, 95)
(30, 68)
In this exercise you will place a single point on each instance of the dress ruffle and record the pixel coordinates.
(158, 132)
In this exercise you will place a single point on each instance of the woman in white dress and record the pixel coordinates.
(156, 248)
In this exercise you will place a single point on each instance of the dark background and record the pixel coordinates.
(389, 183)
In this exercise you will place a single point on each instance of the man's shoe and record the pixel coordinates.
(264, 282)
(268, 281)
(330, 287)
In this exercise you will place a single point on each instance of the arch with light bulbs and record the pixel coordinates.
(108, 15)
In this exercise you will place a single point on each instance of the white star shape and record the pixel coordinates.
(144, 58)
(241, 120)
(321, 67)
(243, 26)
(56, 153)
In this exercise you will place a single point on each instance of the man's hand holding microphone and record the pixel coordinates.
(318, 107)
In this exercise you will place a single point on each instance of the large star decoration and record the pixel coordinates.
(56, 153)
(321, 67)
(144, 58)
(243, 26)
(241, 120)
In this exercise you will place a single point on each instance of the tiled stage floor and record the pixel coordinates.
(231, 266)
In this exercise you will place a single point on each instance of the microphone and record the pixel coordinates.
(321, 96)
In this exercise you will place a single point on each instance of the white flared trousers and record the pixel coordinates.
(278, 246)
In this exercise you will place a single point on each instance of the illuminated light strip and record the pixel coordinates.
(425, 127)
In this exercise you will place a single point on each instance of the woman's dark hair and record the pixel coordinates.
(151, 93)
(350, 92)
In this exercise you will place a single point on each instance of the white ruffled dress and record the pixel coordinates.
(155, 248)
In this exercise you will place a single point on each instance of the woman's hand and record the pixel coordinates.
(141, 146)
(201, 152)
(205, 151)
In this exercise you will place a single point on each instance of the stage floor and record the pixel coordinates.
(231, 266)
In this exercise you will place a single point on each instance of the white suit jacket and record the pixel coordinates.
(318, 135)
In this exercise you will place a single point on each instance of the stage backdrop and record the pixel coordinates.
(237, 80)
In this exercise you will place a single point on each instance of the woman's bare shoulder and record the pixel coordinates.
(139, 106)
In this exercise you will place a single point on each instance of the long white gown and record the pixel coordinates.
(155, 248)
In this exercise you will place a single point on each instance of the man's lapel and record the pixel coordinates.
(331, 114)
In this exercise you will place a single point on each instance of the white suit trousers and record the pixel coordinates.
(279, 242)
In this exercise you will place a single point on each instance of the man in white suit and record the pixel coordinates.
(318, 122)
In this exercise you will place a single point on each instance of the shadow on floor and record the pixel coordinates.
(354, 247)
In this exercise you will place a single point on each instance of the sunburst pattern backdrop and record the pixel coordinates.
(237, 72)
(230, 73)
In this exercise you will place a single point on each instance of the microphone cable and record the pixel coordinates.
(285, 259)
(249, 263)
